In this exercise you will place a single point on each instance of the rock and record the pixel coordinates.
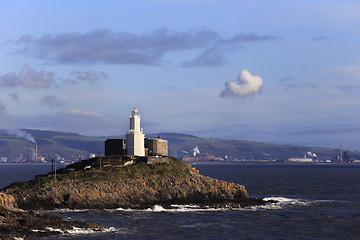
(137, 186)
(17, 223)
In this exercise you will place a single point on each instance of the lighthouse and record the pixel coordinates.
(135, 136)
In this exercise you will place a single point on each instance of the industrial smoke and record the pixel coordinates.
(246, 85)
(195, 151)
(310, 154)
(18, 133)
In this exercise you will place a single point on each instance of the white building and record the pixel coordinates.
(135, 136)
(301, 160)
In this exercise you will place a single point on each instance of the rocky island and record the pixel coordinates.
(135, 173)
(110, 182)
(126, 182)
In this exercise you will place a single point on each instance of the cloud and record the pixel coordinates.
(88, 76)
(14, 97)
(327, 129)
(211, 57)
(252, 37)
(76, 120)
(292, 84)
(105, 46)
(246, 85)
(348, 88)
(319, 38)
(28, 78)
(34, 79)
(80, 111)
(52, 101)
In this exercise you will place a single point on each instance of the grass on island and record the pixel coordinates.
(112, 169)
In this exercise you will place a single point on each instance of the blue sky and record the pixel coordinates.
(272, 71)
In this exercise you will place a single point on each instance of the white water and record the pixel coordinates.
(76, 230)
(281, 202)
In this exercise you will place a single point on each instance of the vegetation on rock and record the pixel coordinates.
(127, 182)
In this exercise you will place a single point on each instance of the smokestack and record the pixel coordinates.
(340, 153)
(36, 154)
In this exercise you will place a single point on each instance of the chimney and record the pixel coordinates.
(36, 154)
(340, 153)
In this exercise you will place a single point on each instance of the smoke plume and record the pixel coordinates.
(196, 151)
(246, 85)
(310, 154)
(18, 133)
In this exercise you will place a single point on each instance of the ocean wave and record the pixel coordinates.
(283, 202)
(184, 208)
(173, 208)
(280, 202)
(77, 230)
(64, 210)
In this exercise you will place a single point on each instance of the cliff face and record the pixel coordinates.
(136, 186)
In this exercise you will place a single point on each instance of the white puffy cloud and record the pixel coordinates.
(246, 85)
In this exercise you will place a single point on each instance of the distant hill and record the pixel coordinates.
(50, 144)
(179, 144)
(73, 146)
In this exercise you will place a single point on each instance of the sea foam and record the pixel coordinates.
(77, 230)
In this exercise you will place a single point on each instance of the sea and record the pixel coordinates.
(315, 201)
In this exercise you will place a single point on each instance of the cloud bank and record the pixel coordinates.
(105, 46)
(246, 85)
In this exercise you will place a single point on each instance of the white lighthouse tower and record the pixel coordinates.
(135, 136)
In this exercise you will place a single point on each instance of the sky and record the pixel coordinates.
(275, 71)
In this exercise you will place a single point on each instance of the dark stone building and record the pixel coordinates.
(115, 147)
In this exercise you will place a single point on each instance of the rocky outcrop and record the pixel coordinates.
(136, 186)
(15, 222)
(134, 193)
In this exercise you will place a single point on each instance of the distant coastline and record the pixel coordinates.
(276, 164)
(72, 147)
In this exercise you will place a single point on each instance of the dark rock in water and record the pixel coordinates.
(120, 184)
(15, 222)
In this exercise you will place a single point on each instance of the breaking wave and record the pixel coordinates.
(64, 210)
(279, 203)
(284, 202)
(77, 230)
(173, 208)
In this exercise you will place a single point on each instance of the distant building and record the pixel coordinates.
(301, 160)
(347, 156)
(202, 157)
(135, 143)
